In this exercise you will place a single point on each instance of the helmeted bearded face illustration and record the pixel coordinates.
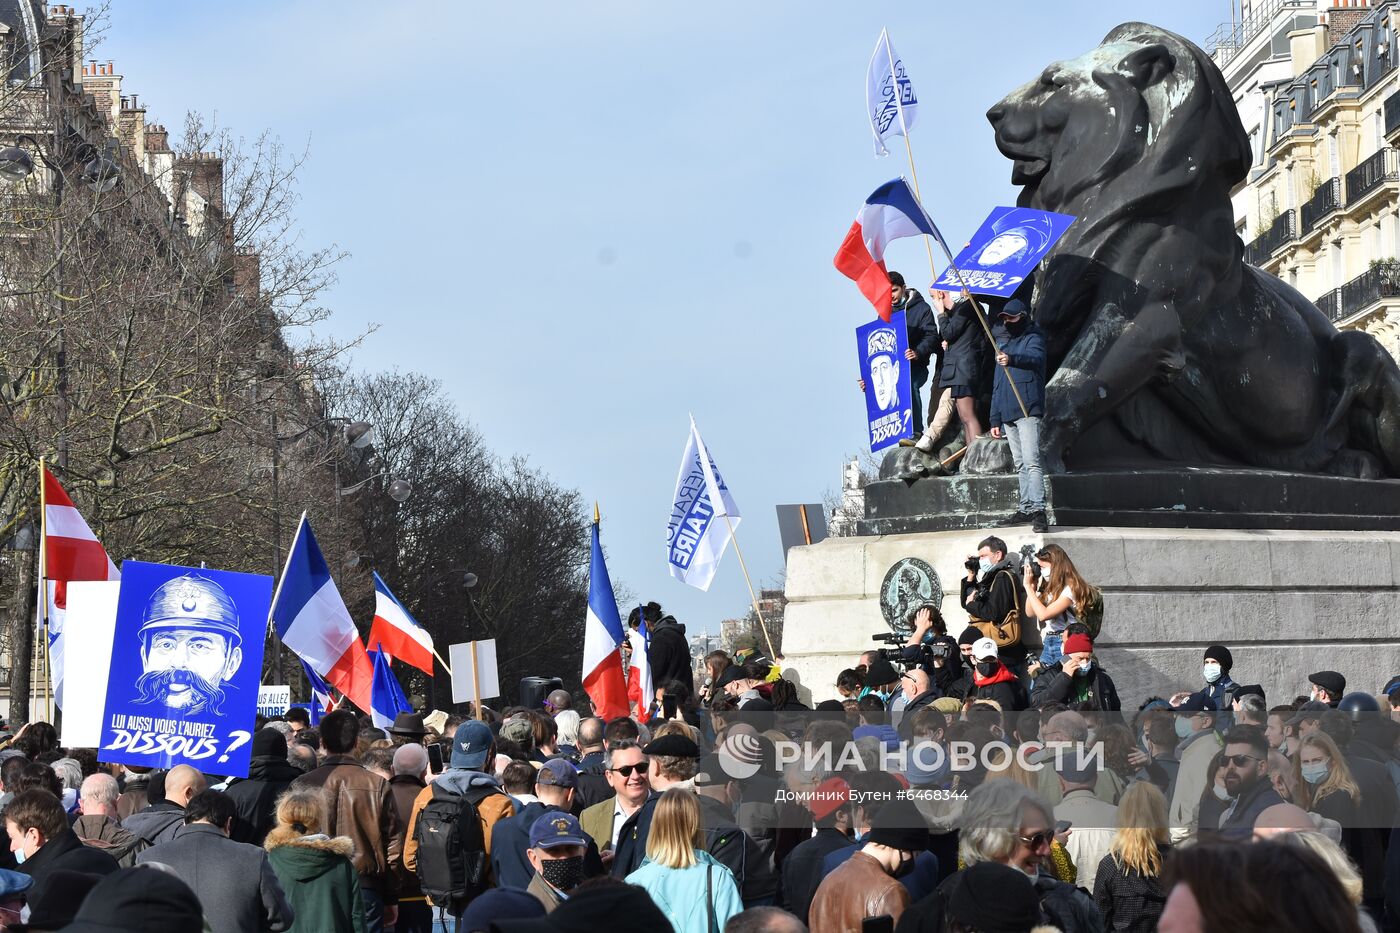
(190, 646)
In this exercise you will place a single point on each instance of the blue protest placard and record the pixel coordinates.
(186, 661)
(1004, 250)
(889, 400)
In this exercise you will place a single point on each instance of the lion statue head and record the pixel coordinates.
(1140, 139)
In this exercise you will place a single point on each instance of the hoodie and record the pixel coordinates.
(491, 809)
(318, 878)
(155, 824)
(1003, 686)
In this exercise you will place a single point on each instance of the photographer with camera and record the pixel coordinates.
(941, 657)
(1056, 595)
(995, 601)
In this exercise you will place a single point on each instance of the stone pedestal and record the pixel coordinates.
(1287, 603)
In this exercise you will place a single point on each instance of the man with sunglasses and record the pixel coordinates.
(1246, 763)
(626, 770)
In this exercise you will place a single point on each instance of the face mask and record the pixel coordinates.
(1183, 727)
(985, 564)
(1084, 669)
(1221, 793)
(906, 865)
(20, 857)
(563, 873)
(1315, 773)
(1211, 672)
(986, 668)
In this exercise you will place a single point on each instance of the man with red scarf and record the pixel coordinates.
(993, 680)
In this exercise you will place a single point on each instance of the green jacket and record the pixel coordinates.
(319, 880)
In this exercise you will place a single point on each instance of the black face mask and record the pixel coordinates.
(563, 873)
(986, 668)
(1014, 327)
(906, 865)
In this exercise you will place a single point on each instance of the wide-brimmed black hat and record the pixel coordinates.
(408, 724)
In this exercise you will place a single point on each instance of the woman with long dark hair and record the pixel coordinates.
(1056, 599)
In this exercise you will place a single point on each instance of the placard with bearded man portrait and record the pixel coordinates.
(186, 662)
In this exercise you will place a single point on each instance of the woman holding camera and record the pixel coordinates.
(1056, 596)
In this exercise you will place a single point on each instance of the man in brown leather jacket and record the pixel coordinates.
(866, 885)
(360, 805)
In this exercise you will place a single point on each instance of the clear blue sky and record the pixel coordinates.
(588, 219)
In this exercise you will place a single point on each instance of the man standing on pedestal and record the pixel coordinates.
(1016, 414)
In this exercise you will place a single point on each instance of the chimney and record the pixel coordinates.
(206, 172)
(105, 85)
(157, 139)
(1306, 46)
(1341, 19)
(131, 129)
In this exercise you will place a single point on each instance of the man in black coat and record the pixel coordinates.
(925, 348)
(255, 797)
(1078, 682)
(802, 869)
(36, 820)
(1378, 803)
(997, 593)
(668, 652)
(1246, 763)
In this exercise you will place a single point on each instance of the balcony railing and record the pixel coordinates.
(1279, 233)
(1392, 113)
(1370, 174)
(1365, 290)
(1330, 304)
(1326, 199)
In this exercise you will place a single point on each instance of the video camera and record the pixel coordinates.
(910, 656)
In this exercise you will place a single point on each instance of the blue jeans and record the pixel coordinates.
(1024, 436)
(374, 910)
(1052, 651)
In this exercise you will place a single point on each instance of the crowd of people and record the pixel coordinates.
(989, 367)
(989, 781)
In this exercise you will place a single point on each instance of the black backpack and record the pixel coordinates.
(730, 847)
(452, 857)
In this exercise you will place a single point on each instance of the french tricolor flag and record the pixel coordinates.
(398, 634)
(311, 619)
(889, 213)
(70, 553)
(603, 679)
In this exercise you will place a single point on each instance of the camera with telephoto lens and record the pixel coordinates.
(972, 564)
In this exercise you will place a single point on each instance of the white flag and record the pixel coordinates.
(701, 516)
(889, 95)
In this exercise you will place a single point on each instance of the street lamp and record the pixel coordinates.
(399, 489)
(99, 171)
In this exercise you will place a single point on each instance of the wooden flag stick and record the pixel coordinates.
(773, 655)
(444, 663)
(476, 680)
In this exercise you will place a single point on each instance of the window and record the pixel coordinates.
(1334, 158)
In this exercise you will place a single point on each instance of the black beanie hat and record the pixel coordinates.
(269, 743)
(994, 898)
(900, 825)
(969, 635)
(1221, 654)
(879, 673)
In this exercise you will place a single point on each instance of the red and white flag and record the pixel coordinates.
(69, 552)
(396, 634)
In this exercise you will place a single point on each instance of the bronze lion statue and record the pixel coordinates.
(1163, 344)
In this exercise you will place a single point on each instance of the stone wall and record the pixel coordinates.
(1287, 603)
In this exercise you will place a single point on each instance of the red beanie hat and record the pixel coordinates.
(1077, 643)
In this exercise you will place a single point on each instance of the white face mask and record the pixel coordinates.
(1211, 672)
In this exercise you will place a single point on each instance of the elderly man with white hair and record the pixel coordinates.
(1006, 822)
(98, 825)
(410, 777)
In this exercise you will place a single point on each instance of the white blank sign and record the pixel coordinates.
(88, 629)
(463, 689)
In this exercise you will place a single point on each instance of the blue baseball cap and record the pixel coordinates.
(14, 882)
(471, 744)
(557, 772)
(557, 828)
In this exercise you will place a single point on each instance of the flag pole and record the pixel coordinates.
(908, 148)
(442, 662)
(752, 596)
(44, 586)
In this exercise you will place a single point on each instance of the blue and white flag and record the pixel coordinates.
(387, 699)
(889, 392)
(1004, 251)
(889, 95)
(702, 515)
(321, 702)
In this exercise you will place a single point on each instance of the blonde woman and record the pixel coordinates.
(1342, 866)
(1327, 788)
(695, 892)
(315, 870)
(1128, 888)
